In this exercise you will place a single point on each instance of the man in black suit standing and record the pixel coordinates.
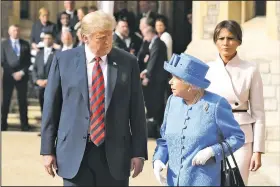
(42, 66)
(15, 60)
(69, 9)
(154, 77)
(124, 39)
(146, 11)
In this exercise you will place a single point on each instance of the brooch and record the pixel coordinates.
(206, 106)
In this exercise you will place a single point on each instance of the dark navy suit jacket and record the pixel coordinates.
(66, 114)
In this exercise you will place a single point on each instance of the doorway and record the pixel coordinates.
(260, 8)
(24, 9)
(182, 29)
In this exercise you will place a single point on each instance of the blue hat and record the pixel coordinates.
(188, 68)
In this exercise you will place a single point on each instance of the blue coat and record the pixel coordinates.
(186, 130)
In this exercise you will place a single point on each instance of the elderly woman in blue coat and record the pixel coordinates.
(189, 134)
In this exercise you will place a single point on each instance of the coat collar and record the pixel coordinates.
(233, 62)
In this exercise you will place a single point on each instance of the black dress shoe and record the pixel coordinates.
(25, 128)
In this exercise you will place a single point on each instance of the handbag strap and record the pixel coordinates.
(221, 141)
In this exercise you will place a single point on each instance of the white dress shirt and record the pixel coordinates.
(126, 40)
(71, 13)
(90, 63)
(64, 48)
(47, 52)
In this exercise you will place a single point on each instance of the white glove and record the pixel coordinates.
(158, 166)
(202, 156)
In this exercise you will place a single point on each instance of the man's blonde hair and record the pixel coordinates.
(97, 21)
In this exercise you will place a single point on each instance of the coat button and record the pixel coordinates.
(183, 137)
(87, 118)
(236, 104)
(183, 147)
(85, 137)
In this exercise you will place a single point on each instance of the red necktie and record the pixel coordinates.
(97, 105)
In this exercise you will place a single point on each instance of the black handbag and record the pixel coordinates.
(230, 176)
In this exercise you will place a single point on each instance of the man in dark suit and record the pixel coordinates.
(146, 11)
(155, 77)
(69, 9)
(120, 11)
(15, 60)
(124, 39)
(42, 66)
(144, 48)
(95, 110)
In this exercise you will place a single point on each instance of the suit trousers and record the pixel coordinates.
(243, 158)
(8, 86)
(94, 170)
(154, 96)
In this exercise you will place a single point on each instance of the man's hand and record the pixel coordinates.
(40, 82)
(50, 164)
(45, 83)
(146, 58)
(145, 81)
(256, 161)
(136, 165)
(143, 74)
(17, 76)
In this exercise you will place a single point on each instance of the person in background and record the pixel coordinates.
(240, 82)
(121, 11)
(81, 12)
(42, 66)
(161, 28)
(146, 11)
(40, 27)
(143, 53)
(124, 39)
(67, 41)
(79, 38)
(190, 142)
(69, 8)
(15, 60)
(65, 22)
(154, 79)
(92, 9)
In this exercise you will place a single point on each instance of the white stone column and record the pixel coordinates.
(106, 6)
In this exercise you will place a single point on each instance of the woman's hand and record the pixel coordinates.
(256, 161)
(202, 156)
(158, 166)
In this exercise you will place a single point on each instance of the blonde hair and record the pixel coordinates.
(43, 11)
(97, 21)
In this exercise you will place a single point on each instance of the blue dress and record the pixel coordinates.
(186, 130)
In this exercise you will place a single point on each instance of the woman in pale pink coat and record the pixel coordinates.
(240, 83)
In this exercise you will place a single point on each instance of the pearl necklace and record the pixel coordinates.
(197, 96)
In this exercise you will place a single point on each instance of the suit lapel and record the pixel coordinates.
(112, 73)
(81, 73)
